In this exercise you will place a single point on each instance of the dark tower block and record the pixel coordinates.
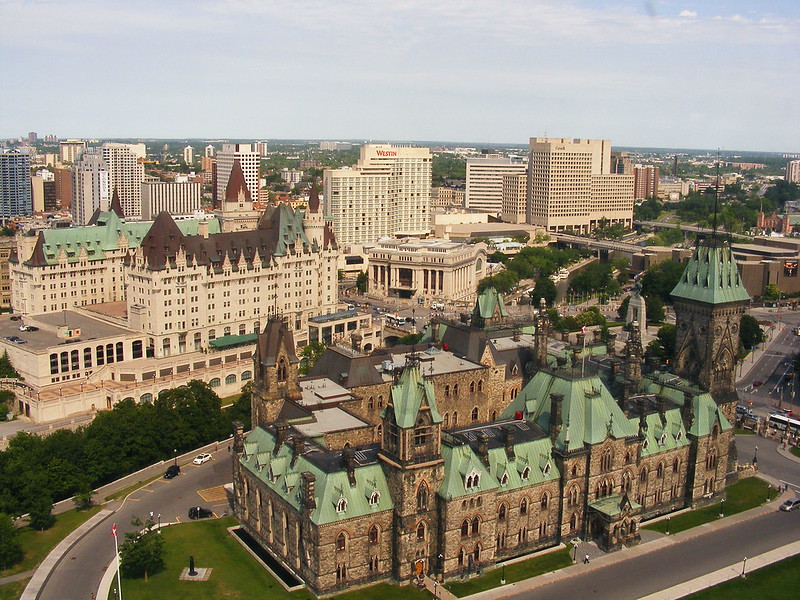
(709, 303)
(275, 373)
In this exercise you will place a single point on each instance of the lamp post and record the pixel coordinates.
(744, 566)
(755, 456)
(159, 522)
(175, 455)
(503, 576)
(722, 508)
(575, 543)
(667, 524)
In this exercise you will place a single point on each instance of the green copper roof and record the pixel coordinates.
(663, 436)
(410, 394)
(461, 462)
(278, 473)
(589, 413)
(229, 341)
(613, 505)
(711, 276)
(488, 302)
(104, 236)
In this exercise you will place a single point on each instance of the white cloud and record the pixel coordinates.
(688, 13)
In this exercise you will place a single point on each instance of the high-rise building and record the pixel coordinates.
(63, 179)
(188, 155)
(485, 182)
(249, 161)
(33, 137)
(43, 191)
(71, 150)
(90, 187)
(210, 151)
(793, 171)
(173, 197)
(125, 175)
(515, 198)
(262, 148)
(571, 187)
(15, 184)
(645, 182)
(388, 193)
(621, 164)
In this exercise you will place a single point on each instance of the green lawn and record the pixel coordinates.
(236, 574)
(795, 450)
(526, 569)
(743, 495)
(38, 544)
(12, 591)
(740, 431)
(776, 582)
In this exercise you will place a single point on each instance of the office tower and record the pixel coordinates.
(173, 197)
(249, 161)
(63, 179)
(515, 198)
(90, 186)
(125, 175)
(71, 150)
(571, 187)
(33, 137)
(645, 182)
(793, 171)
(15, 184)
(210, 151)
(388, 193)
(621, 164)
(188, 155)
(43, 192)
(261, 148)
(485, 182)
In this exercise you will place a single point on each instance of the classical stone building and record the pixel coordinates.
(511, 447)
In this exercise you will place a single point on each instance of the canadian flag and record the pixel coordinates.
(114, 530)
(583, 329)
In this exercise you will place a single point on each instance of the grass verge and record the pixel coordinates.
(743, 495)
(235, 573)
(773, 581)
(796, 451)
(740, 431)
(12, 591)
(525, 569)
(38, 544)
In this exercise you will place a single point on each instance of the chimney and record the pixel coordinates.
(612, 341)
(565, 336)
(615, 368)
(508, 441)
(576, 356)
(687, 410)
(281, 433)
(298, 448)
(483, 447)
(516, 335)
(642, 416)
(238, 437)
(349, 455)
(308, 482)
(662, 407)
(556, 402)
(596, 333)
(202, 229)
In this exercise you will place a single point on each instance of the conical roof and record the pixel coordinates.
(313, 199)
(116, 205)
(237, 184)
(711, 276)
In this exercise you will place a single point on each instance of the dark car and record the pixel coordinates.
(198, 512)
(172, 471)
(757, 383)
(15, 318)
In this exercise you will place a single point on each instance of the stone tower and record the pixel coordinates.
(275, 373)
(412, 457)
(313, 219)
(540, 336)
(709, 303)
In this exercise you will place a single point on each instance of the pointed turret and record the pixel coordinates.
(237, 190)
(116, 205)
(313, 199)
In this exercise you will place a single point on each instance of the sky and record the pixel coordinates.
(657, 73)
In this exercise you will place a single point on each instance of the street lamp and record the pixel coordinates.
(667, 524)
(175, 455)
(503, 576)
(755, 456)
(159, 522)
(722, 508)
(744, 566)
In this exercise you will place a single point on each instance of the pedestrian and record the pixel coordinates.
(586, 559)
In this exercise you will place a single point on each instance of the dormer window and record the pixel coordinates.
(679, 437)
(473, 480)
(375, 498)
(645, 443)
(526, 472)
(547, 468)
(341, 505)
(504, 479)
(663, 439)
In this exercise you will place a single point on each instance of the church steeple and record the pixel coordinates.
(709, 301)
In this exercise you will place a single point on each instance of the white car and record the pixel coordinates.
(201, 458)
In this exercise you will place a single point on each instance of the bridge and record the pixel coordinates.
(593, 244)
(686, 228)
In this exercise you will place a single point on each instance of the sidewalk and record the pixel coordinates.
(598, 560)
(756, 354)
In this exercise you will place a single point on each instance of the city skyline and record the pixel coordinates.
(645, 74)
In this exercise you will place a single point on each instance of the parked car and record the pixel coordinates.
(20, 341)
(757, 383)
(11, 338)
(15, 318)
(172, 471)
(791, 504)
(201, 458)
(198, 512)
(745, 411)
(28, 328)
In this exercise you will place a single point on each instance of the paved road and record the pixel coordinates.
(78, 575)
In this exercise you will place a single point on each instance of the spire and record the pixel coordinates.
(237, 186)
(313, 199)
(116, 205)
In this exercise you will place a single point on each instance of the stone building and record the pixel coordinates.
(545, 449)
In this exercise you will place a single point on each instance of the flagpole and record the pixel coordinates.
(116, 555)
(583, 362)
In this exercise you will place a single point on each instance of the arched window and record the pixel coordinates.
(341, 505)
(422, 496)
(660, 470)
(474, 414)
(573, 522)
(545, 500)
(477, 553)
(421, 433)
(714, 432)
(341, 541)
(626, 481)
(282, 371)
(373, 534)
(375, 498)
(465, 528)
(455, 390)
(676, 466)
(643, 475)
(380, 401)
(421, 532)
(146, 399)
(471, 387)
(504, 479)
(526, 472)
(214, 382)
(476, 526)
(461, 556)
(230, 379)
(226, 331)
(573, 496)
(447, 391)
(455, 418)
(371, 402)
(574, 470)
(605, 460)
(501, 514)
(480, 385)
(247, 375)
(446, 420)
(493, 418)
(711, 459)
(523, 507)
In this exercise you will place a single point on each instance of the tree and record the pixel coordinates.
(361, 282)
(7, 370)
(544, 288)
(409, 340)
(772, 292)
(41, 513)
(750, 333)
(142, 553)
(309, 356)
(659, 280)
(622, 311)
(655, 309)
(664, 344)
(240, 410)
(10, 548)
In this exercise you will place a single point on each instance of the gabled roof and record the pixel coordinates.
(490, 305)
(459, 462)
(711, 276)
(237, 186)
(116, 205)
(411, 394)
(276, 335)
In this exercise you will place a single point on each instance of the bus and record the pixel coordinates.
(783, 423)
(392, 320)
